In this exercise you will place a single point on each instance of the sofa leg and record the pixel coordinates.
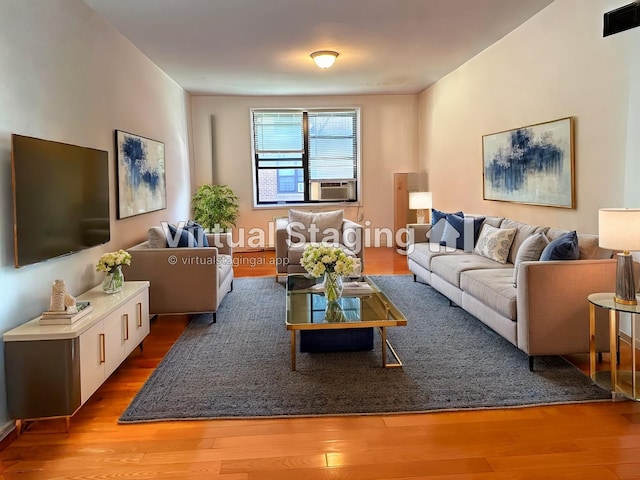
(415, 278)
(231, 289)
(214, 318)
(531, 363)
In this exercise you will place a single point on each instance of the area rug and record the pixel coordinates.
(240, 366)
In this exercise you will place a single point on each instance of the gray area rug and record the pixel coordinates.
(240, 366)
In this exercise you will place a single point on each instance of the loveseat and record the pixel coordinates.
(184, 279)
(538, 305)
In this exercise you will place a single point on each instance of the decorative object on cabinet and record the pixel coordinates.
(141, 175)
(111, 264)
(532, 165)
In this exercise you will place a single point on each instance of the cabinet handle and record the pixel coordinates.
(125, 319)
(102, 348)
(139, 314)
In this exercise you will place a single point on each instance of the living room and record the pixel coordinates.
(69, 76)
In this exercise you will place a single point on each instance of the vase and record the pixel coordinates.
(113, 281)
(333, 313)
(332, 286)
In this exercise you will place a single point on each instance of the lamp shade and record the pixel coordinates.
(324, 58)
(619, 228)
(419, 200)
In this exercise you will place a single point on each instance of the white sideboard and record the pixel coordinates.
(52, 370)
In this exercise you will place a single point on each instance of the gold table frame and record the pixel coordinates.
(377, 311)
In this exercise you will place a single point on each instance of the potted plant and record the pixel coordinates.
(215, 207)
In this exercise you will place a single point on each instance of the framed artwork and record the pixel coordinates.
(532, 165)
(141, 175)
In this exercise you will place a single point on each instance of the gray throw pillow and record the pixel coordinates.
(529, 251)
(324, 224)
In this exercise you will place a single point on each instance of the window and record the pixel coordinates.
(306, 156)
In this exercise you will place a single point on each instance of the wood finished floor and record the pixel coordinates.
(585, 441)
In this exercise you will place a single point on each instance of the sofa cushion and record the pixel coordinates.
(449, 267)
(157, 237)
(494, 243)
(456, 229)
(494, 288)
(587, 245)
(224, 264)
(523, 231)
(564, 247)
(438, 221)
(424, 253)
(324, 224)
(529, 251)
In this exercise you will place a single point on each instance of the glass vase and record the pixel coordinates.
(332, 286)
(113, 281)
(333, 313)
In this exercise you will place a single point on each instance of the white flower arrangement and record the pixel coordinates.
(318, 259)
(109, 261)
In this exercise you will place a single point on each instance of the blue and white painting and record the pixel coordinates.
(141, 175)
(531, 165)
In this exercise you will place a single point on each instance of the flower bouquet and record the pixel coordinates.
(332, 262)
(111, 264)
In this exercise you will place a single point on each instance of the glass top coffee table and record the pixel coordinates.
(362, 305)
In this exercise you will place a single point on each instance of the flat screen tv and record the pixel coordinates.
(60, 198)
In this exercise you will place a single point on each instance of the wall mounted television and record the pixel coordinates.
(60, 198)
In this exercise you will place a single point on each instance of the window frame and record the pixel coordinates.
(304, 161)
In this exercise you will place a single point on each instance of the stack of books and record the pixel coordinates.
(65, 318)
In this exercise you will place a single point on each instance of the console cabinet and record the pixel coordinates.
(52, 370)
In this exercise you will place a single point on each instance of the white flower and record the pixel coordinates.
(318, 259)
(110, 260)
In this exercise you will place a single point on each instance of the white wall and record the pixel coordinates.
(67, 76)
(555, 65)
(222, 149)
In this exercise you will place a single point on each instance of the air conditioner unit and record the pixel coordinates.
(339, 190)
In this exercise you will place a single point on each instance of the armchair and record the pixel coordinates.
(300, 228)
(183, 280)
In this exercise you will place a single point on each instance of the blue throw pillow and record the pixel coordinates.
(438, 223)
(564, 247)
(454, 231)
(180, 238)
(198, 233)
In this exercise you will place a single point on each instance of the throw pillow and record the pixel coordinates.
(461, 231)
(529, 251)
(494, 243)
(198, 232)
(438, 224)
(157, 238)
(564, 247)
(314, 227)
(180, 237)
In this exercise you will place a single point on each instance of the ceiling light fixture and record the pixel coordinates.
(324, 58)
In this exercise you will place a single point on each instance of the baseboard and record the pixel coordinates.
(8, 434)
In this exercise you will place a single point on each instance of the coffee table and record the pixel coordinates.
(306, 306)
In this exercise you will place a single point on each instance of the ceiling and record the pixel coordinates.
(262, 47)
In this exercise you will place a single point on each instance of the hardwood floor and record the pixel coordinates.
(584, 441)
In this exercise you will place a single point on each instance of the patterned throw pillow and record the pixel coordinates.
(494, 243)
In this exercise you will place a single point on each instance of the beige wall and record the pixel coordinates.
(555, 65)
(222, 149)
(65, 75)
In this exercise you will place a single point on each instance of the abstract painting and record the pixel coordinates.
(141, 175)
(532, 165)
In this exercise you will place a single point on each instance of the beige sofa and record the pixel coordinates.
(547, 313)
(294, 232)
(186, 279)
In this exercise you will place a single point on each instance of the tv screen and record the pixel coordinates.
(60, 198)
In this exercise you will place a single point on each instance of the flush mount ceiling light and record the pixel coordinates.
(324, 58)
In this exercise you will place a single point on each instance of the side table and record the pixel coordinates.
(622, 378)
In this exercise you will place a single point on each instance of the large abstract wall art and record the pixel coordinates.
(532, 165)
(141, 175)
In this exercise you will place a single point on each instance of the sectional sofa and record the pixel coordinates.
(542, 306)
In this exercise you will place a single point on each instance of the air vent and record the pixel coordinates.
(621, 19)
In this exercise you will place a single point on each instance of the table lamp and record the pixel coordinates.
(619, 229)
(420, 201)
